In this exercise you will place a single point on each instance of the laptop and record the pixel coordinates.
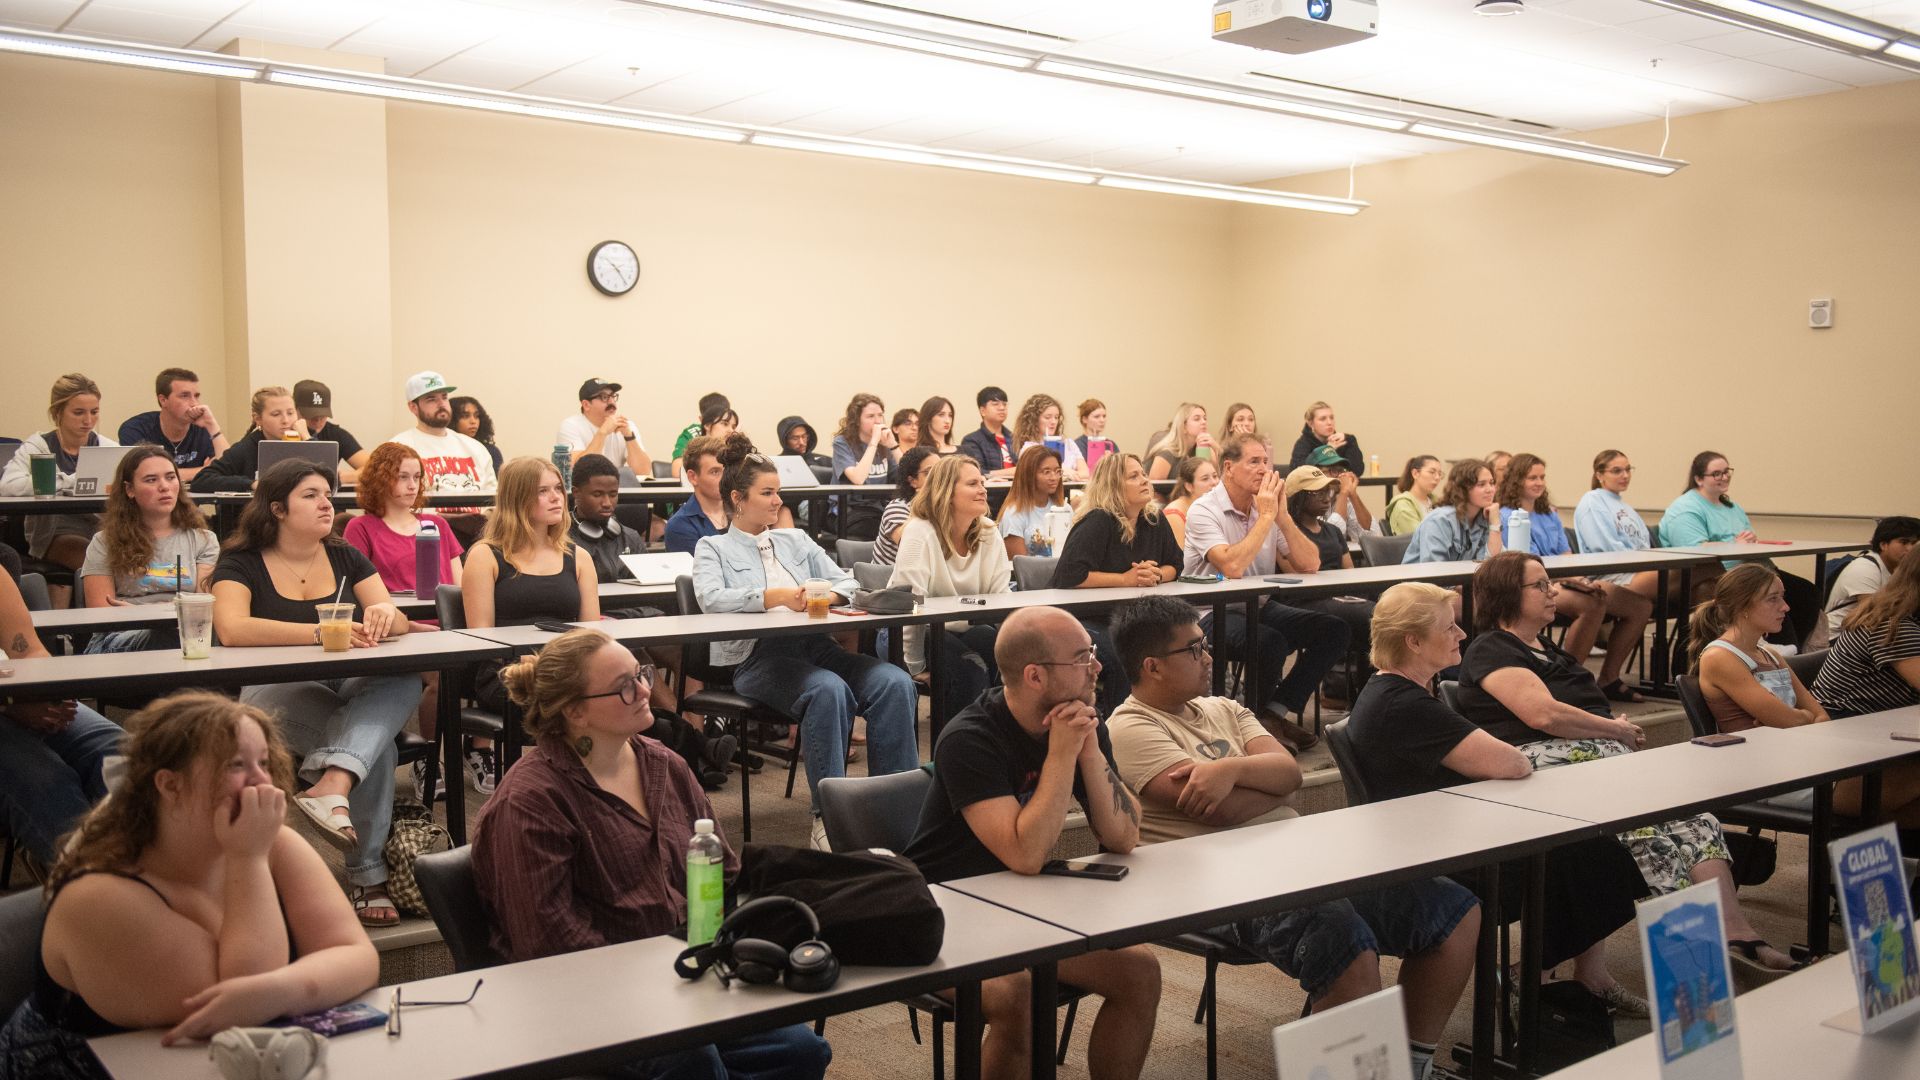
(273, 452)
(795, 472)
(93, 469)
(657, 567)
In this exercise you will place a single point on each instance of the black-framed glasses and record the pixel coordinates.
(607, 398)
(1083, 658)
(1722, 474)
(1544, 585)
(1197, 648)
(397, 1002)
(629, 689)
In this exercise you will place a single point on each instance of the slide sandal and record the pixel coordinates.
(320, 810)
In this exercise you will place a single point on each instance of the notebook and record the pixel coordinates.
(93, 469)
(273, 452)
(657, 567)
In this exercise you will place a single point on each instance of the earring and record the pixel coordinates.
(583, 745)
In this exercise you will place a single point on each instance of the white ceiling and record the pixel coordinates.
(1563, 66)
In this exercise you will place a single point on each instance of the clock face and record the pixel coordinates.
(613, 267)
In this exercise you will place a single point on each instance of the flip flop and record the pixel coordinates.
(365, 906)
(1746, 952)
(320, 810)
(1618, 690)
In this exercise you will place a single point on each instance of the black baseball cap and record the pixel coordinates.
(593, 388)
(991, 393)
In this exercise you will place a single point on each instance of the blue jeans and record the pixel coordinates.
(788, 1053)
(113, 641)
(1319, 638)
(348, 724)
(1315, 944)
(48, 782)
(824, 687)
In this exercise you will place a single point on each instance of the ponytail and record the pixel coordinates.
(1737, 590)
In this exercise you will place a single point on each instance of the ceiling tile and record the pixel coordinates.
(38, 14)
(153, 27)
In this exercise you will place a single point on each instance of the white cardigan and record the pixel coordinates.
(920, 567)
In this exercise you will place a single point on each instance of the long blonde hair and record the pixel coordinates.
(508, 529)
(1107, 490)
(65, 389)
(1176, 441)
(934, 504)
(552, 680)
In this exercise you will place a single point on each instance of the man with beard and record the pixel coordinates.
(452, 463)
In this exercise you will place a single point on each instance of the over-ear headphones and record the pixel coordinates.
(807, 968)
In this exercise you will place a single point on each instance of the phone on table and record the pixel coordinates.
(553, 626)
(1284, 580)
(1098, 871)
(353, 1016)
(1905, 736)
(1196, 579)
(1721, 739)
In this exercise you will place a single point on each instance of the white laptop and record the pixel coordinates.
(795, 472)
(93, 469)
(657, 567)
(320, 452)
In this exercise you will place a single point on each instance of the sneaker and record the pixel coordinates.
(1624, 1001)
(818, 840)
(418, 770)
(480, 771)
(720, 751)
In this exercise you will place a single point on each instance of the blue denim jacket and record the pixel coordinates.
(728, 576)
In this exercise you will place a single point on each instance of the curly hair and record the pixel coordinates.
(1513, 486)
(129, 544)
(1461, 480)
(1026, 426)
(1107, 490)
(850, 423)
(483, 434)
(375, 485)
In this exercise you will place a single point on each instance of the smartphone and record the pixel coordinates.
(1095, 870)
(1193, 579)
(1284, 580)
(1906, 736)
(553, 626)
(1719, 740)
(354, 1016)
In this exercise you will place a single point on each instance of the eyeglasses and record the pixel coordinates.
(1620, 470)
(1545, 586)
(1080, 659)
(1197, 648)
(629, 689)
(607, 398)
(1723, 474)
(395, 1004)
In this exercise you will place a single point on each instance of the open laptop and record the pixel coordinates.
(795, 472)
(657, 567)
(93, 469)
(321, 452)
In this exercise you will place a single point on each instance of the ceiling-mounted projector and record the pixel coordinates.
(1294, 26)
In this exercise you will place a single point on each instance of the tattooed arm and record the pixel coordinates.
(1111, 808)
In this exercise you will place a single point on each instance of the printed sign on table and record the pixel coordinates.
(1361, 1040)
(1683, 950)
(1879, 921)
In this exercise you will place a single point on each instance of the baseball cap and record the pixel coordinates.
(990, 393)
(427, 382)
(593, 388)
(312, 399)
(1326, 457)
(1306, 478)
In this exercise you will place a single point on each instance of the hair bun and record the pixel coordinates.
(735, 450)
(517, 677)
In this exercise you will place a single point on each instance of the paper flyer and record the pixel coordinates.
(1878, 916)
(1361, 1040)
(1683, 950)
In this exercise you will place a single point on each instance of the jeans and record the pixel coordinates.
(1316, 944)
(824, 687)
(348, 724)
(969, 668)
(789, 1053)
(1319, 638)
(113, 641)
(48, 782)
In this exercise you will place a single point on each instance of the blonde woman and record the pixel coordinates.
(951, 548)
(1118, 540)
(523, 569)
(274, 418)
(1322, 430)
(185, 902)
(1197, 476)
(74, 408)
(1186, 437)
(1039, 420)
(1241, 420)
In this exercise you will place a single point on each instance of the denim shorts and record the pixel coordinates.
(1316, 944)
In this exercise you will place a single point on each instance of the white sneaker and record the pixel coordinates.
(818, 841)
(480, 769)
(418, 770)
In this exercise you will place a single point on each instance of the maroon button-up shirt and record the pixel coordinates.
(563, 865)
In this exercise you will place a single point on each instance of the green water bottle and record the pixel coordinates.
(706, 886)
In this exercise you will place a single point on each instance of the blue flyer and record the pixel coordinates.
(1689, 984)
(1879, 923)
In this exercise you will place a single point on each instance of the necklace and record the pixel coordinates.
(308, 569)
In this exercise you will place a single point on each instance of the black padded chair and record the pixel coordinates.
(1340, 743)
(1031, 572)
(1384, 550)
(871, 575)
(716, 699)
(1752, 816)
(446, 883)
(21, 916)
(33, 590)
(1806, 666)
(474, 720)
(848, 552)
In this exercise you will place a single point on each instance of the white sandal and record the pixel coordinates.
(320, 810)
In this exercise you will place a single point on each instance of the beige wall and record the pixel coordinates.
(1492, 300)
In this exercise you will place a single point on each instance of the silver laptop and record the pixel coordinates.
(275, 451)
(795, 472)
(93, 470)
(657, 567)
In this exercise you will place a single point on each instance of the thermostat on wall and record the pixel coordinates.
(1820, 314)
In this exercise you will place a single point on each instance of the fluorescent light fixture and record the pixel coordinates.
(1595, 155)
(1251, 99)
(1796, 20)
(128, 55)
(1229, 193)
(847, 30)
(429, 94)
(912, 156)
(1905, 50)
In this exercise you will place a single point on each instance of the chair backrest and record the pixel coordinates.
(446, 883)
(33, 589)
(20, 918)
(1384, 550)
(849, 552)
(1450, 694)
(1032, 572)
(695, 658)
(1699, 717)
(449, 608)
(1341, 743)
(872, 575)
(1806, 666)
(663, 470)
(862, 812)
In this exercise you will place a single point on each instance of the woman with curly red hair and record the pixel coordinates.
(392, 494)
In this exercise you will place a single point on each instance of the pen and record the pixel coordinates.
(974, 600)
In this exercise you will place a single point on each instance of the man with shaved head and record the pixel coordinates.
(1003, 773)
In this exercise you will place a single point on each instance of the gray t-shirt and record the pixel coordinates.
(192, 547)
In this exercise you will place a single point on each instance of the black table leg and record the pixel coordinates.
(967, 1030)
(1486, 973)
(1042, 1005)
(1819, 870)
(1532, 921)
(1870, 798)
(1466, 607)
(937, 675)
(1219, 632)
(1250, 662)
(1662, 650)
(453, 771)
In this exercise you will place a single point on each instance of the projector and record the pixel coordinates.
(1294, 26)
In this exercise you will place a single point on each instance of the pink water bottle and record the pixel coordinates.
(426, 561)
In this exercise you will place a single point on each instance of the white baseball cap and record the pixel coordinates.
(427, 382)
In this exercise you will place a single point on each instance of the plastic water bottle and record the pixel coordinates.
(706, 887)
(563, 461)
(1519, 531)
(426, 560)
(1373, 465)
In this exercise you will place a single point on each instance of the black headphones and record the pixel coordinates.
(807, 968)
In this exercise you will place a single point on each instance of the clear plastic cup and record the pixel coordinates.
(194, 611)
(819, 597)
(336, 626)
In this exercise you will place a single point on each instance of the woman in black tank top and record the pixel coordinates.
(136, 937)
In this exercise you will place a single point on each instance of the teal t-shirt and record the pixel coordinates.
(1691, 520)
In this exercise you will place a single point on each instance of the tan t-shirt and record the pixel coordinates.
(1148, 742)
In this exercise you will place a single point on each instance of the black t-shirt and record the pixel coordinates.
(1400, 735)
(1094, 547)
(983, 754)
(1568, 682)
(249, 568)
(1332, 544)
(605, 549)
(332, 432)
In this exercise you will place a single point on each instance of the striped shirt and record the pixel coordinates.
(1858, 676)
(893, 517)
